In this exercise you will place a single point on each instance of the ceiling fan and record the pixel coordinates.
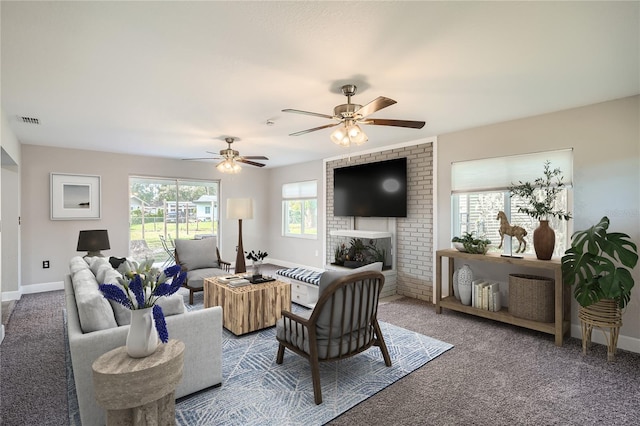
(230, 158)
(350, 115)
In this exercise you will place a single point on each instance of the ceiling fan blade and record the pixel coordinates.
(297, 111)
(397, 123)
(202, 158)
(252, 163)
(254, 157)
(302, 132)
(375, 105)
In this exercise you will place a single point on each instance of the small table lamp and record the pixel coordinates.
(240, 208)
(93, 241)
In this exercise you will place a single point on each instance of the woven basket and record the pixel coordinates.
(531, 297)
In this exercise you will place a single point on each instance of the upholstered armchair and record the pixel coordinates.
(200, 259)
(343, 322)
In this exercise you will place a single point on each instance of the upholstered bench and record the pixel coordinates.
(304, 284)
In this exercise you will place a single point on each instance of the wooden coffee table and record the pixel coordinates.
(249, 308)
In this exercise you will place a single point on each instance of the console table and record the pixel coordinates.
(139, 391)
(562, 300)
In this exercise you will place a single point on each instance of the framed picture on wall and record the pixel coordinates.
(75, 197)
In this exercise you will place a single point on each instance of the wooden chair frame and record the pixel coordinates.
(370, 334)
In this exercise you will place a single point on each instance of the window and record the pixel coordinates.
(479, 190)
(162, 209)
(300, 209)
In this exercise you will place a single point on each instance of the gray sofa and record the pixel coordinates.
(93, 330)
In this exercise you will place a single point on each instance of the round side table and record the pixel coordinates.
(139, 391)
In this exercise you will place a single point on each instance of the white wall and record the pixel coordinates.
(9, 209)
(605, 138)
(56, 241)
(291, 251)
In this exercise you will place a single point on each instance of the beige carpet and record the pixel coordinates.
(7, 309)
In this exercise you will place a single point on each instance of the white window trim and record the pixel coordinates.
(298, 192)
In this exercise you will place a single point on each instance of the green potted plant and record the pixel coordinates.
(599, 265)
(540, 198)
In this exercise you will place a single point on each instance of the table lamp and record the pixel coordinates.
(240, 208)
(93, 241)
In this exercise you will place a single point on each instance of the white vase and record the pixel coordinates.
(465, 277)
(456, 290)
(142, 339)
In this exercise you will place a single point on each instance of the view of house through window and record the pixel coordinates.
(163, 209)
(480, 191)
(300, 209)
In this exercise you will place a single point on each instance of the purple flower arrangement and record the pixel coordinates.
(141, 285)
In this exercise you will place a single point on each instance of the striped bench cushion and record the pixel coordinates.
(301, 274)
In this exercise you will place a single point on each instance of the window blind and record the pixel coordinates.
(497, 174)
(307, 189)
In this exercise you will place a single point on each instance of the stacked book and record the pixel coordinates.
(234, 281)
(485, 295)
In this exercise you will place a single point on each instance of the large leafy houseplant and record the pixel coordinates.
(599, 264)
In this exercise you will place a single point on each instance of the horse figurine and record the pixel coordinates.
(514, 231)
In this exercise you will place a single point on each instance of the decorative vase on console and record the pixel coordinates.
(257, 268)
(465, 277)
(257, 259)
(544, 240)
(142, 339)
(456, 290)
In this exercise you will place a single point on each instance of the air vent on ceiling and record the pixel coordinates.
(29, 120)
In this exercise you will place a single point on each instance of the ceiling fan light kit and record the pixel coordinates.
(349, 115)
(349, 134)
(231, 158)
(228, 166)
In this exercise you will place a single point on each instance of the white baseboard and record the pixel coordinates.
(33, 288)
(41, 288)
(626, 343)
(11, 295)
(1, 334)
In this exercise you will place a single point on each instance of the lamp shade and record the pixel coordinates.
(93, 241)
(239, 208)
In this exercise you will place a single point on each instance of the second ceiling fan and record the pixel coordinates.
(231, 157)
(351, 115)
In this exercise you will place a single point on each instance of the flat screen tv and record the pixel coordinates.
(371, 190)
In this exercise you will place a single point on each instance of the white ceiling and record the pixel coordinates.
(172, 79)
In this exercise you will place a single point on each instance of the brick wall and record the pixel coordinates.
(414, 234)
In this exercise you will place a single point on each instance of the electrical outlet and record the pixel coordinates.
(45, 264)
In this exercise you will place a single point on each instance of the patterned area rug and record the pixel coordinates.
(257, 391)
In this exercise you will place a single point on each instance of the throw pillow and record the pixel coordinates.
(197, 254)
(116, 261)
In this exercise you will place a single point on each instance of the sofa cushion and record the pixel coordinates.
(197, 254)
(94, 310)
(76, 264)
(96, 262)
(196, 278)
(103, 269)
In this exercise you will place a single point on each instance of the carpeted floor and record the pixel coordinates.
(496, 374)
